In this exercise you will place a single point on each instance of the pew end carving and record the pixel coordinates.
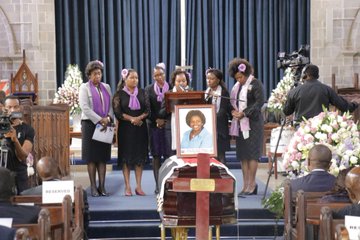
(52, 136)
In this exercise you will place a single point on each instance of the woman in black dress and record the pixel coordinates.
(95, 103)
(247, 98)
(160, 144)
(217, 94)
(131, 109)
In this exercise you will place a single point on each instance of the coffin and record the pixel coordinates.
(178, 208)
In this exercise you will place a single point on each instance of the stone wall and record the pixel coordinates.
(29, 25)
(335, 44)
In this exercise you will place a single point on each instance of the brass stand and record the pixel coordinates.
(181, 232)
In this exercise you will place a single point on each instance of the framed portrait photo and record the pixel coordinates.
(195, 130)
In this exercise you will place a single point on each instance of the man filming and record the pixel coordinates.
(19, 142)
(308, 99)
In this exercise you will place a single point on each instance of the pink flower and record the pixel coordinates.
(242, 67)
(124, 73)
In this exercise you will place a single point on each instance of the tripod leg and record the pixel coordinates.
(274, 159)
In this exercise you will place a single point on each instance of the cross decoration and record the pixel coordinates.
(202, 185)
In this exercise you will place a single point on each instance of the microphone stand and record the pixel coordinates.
(273, 159)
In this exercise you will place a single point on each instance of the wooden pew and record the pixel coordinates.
(328, 225)
(291, 211)
(76, 219)
(60, 215)
(40, 231)
(308, 212)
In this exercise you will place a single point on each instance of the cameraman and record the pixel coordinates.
(19, 141)
(308, 99)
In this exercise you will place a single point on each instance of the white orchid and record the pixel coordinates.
(68, 93)
(278, 96)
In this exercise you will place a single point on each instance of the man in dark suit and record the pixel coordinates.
(318, 180)
(48, 170)
(7, 233)
(352, 183)
(19, 214)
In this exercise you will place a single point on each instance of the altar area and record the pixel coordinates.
(136, 217)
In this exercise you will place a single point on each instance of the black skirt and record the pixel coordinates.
(92, 150)
(251, 148)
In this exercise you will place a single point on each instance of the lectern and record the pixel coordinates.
(183, 98)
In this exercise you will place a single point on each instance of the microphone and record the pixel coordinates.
(208, 95)
(184, 89)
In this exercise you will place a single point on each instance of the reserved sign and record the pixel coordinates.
(55, 191)
(352, 224)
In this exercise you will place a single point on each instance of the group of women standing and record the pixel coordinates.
(141, 112)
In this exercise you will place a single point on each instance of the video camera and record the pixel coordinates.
(5, 121)
(294, 59)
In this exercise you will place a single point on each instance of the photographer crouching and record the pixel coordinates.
(16, 141)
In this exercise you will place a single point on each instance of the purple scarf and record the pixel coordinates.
(134, 103)
(97, 104)
(160, 92)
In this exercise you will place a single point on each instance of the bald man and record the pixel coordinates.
(352, 183)
(318, 180)
(48, 170)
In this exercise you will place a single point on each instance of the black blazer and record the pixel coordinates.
(316, 181)
(224, 114)
(7, 233)
(20, 214)
(155, 106)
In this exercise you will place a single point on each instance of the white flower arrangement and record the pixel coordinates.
(339, 132)
(68, 93)
(278, 96)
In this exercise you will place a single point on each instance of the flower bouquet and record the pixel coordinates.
(68, 93)
(338, 132)
(278, 96)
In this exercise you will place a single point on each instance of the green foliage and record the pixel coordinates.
(275, 202)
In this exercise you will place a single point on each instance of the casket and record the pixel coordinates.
(178, 208)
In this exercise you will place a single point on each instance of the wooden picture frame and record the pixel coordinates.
(191, 138)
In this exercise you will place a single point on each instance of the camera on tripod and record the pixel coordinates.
(294, 59)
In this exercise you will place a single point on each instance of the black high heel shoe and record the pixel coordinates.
(102, 192)
(94, 192)
(254, 192)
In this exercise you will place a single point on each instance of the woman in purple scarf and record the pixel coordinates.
(160, 138)
(95, 103)
(131, 109)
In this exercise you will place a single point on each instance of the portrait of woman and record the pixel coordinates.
(197, 136)
(218, 95)
(180, 80)
(247, 98)
(160, 143)
(95, 103)
(131, 109)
